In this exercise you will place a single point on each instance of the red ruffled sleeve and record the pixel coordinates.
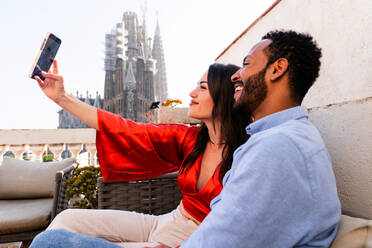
(131, 151)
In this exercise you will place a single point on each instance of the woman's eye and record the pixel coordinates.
(203, 87)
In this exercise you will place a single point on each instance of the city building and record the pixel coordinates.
(66, 120)
(135, 73)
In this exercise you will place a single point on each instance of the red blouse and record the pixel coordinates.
(130, 151)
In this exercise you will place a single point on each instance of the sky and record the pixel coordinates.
(194, 33)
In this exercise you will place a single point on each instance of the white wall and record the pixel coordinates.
(346, 130)
(175, 115)
(340, 102)
(342, 29)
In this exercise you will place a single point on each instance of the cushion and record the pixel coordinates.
(24, 215)
(21, 179)
(353, 233)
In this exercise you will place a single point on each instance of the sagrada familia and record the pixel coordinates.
(135, 69)
(135, 73)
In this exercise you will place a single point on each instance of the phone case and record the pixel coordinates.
(45, 56)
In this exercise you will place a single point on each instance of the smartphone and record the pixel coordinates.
(46, 55)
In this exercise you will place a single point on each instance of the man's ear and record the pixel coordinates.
(279, 68)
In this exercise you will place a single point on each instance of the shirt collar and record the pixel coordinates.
(276, 119)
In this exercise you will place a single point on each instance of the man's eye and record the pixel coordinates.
(245, 63)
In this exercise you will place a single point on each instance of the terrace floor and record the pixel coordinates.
(11, 245)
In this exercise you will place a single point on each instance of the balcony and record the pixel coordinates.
(35, 143)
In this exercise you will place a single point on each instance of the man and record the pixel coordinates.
(280, 191)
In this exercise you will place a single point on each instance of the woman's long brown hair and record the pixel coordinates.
(233, 122)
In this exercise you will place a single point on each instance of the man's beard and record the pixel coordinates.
(253, 93)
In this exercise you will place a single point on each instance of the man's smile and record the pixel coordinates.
(238, 90)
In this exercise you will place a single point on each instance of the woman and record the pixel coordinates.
(131, 151)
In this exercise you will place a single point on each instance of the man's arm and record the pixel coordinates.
(265, 202)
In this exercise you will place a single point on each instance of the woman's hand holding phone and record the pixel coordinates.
(53, 85)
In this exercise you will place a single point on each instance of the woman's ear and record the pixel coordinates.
(280, 67)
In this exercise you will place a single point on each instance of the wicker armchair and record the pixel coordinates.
(60, 201)
(59, 204)
(158, 195)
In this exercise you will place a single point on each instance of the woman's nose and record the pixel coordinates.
(193, 93)
(236, 76)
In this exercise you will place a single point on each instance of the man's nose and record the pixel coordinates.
(236, 76)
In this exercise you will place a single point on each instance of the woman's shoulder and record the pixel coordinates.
(187, 129)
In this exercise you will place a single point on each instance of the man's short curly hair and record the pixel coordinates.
(303, 57)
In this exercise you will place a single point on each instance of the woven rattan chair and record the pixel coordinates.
(60, 201)
(158, 195)
(59, 204)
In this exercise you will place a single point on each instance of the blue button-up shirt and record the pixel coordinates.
(279, 192)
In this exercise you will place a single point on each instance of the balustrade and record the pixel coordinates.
(38, 150)
(3, 150)
(57, 150)
(33, 144)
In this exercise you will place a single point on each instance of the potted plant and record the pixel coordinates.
(82, 187)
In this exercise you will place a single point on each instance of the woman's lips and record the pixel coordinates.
(192, 103)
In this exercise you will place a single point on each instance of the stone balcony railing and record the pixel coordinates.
(36, 142)
(79, 142)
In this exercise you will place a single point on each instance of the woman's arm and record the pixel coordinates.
(53, 88)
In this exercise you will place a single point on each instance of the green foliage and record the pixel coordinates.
(9, 154)
(83, 184)
(48, 158)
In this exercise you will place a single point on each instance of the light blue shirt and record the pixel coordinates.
(279, 192)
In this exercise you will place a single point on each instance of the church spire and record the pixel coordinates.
(97, 101)
(144, 31)
(87, 100)
(160, 78)
(157, 29)
(130, 78)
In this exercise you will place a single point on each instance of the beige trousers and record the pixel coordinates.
(128, 229)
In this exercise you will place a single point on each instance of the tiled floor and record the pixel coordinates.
(11, 245)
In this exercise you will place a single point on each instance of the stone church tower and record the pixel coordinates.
(131, 69)
(160, 77)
